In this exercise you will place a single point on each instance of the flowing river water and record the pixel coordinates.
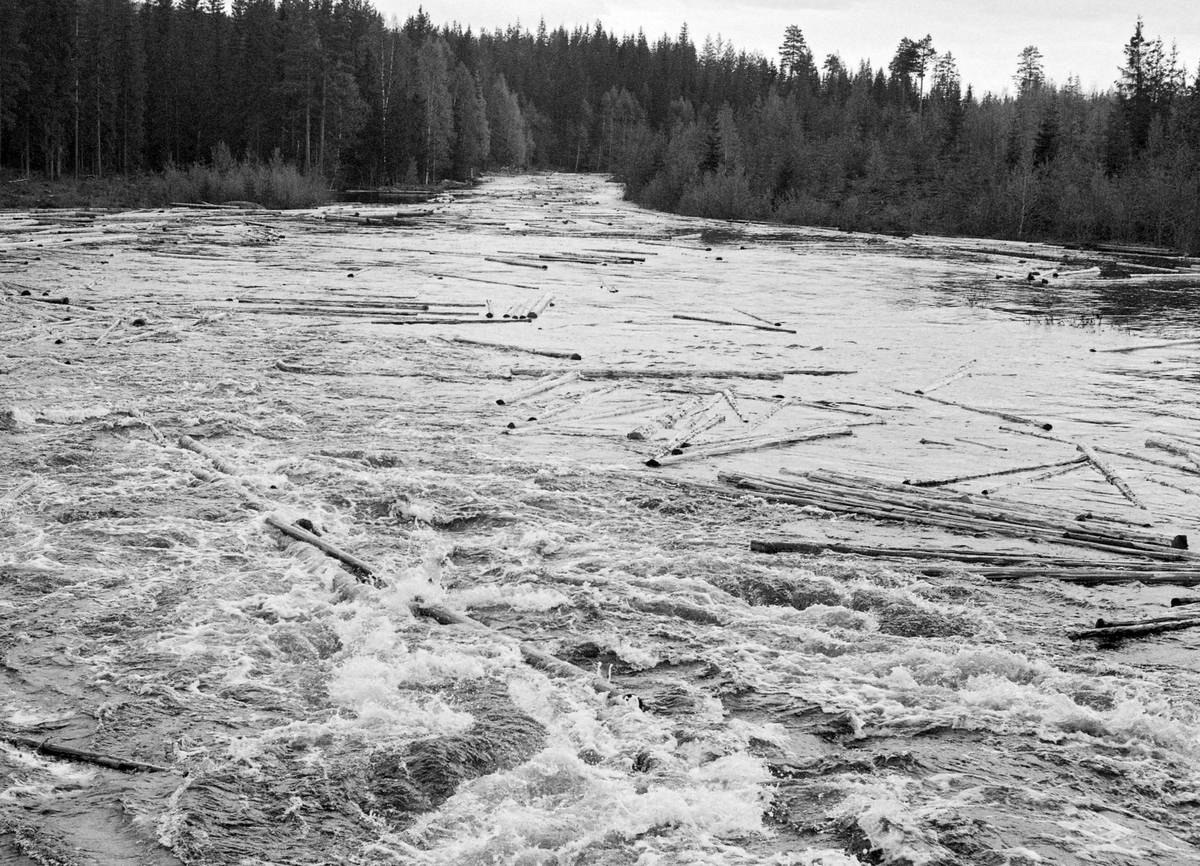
(763, 708)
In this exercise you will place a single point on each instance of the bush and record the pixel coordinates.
(721, 196)
(275, 184)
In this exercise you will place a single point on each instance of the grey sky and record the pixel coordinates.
(1076, 37)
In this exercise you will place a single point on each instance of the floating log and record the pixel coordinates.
(540, 305)
(1129, 455)
(898, 503)
(666, 419)
(1182, 600)
(1135, 629)
(759, 318)
(960, 373)
(45, 747)
(1069, 466)
(732, 401)
(360, 569)
(545, 384)
(546, 353)
(682, 373)
(61, 301)
(736, 324)
(491, 314)
(1109, 473)
(1090, 576)
(994, 412)
(755, 444)
(516, 262)
(1014, 471)
(1168, 345)
(116, 324)
(980, 444)
(447, 321)
(693, 430)
(1169, 446)
(204, 451)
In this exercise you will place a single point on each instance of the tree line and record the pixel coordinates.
(118, 87)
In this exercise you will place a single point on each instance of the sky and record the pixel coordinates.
(1081, 38)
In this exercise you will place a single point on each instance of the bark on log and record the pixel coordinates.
(446, 321)
(737, 324)
(1109, 473)
(666, 419)
(658, 373)
(1063, 470)
(694, 428)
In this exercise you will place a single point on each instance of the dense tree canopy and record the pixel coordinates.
(102, 87)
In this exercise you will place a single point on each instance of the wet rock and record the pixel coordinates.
(427, 773)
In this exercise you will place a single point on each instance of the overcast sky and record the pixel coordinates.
(1076, 37)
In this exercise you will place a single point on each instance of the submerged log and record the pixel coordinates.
(57, 751)
(204, 451)
(1182, 600)
(962, 372)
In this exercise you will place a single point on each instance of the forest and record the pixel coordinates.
(331, 92)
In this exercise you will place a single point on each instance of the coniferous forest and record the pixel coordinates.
(332, 92)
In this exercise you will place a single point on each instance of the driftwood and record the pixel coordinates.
(47, 748)
(753, 444)
(1109, 473)
(737, 324)
(546, 353)
(994, 412)
(116, 324)
(1140, 629)
(1014, 471)
(548, 383)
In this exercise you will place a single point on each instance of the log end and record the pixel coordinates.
(653, 463)
(1179, 542)
(575, 356)
(1046, 426)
